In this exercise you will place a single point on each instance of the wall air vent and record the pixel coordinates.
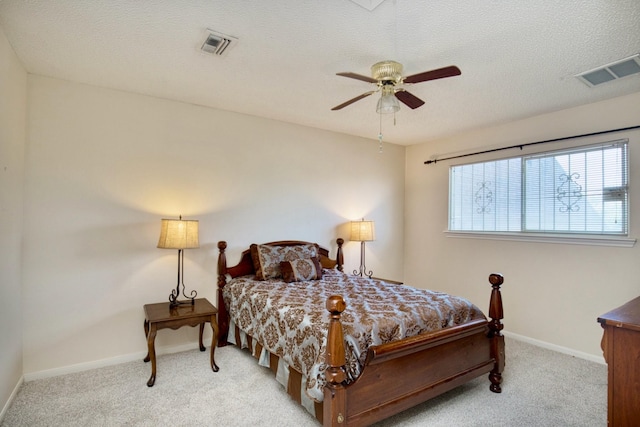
(615, 70)
(218, 43)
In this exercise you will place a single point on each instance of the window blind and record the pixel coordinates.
(580, 190)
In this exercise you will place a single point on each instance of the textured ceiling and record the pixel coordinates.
(517, 58)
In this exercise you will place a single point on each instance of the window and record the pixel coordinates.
(578, 191)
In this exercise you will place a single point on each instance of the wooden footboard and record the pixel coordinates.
(439, 361)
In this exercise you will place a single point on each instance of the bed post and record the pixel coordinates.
(496, 337)
(339, 255)
(223, 316)
(335, 404)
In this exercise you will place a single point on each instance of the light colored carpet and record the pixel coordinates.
(540, 388)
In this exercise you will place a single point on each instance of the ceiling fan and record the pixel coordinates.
(387, 75)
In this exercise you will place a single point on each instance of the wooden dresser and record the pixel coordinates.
(621, 347)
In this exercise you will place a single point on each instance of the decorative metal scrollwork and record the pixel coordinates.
(484, 197)
(173, 298)
(569, 192)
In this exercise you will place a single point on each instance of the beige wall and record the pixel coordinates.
(13, 115)
(103, 167)
(552, 292)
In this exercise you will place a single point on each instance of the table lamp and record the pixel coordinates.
(362, 231)
(179, 234)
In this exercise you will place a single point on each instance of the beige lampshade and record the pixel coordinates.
(178, 234)
(362, 231)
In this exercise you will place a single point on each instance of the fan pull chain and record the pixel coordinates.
(380, 136)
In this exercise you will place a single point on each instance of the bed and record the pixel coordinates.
(351, 383)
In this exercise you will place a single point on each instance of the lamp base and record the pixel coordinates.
(175, 302)
(173, 298)
(363, 272)
(363, 269)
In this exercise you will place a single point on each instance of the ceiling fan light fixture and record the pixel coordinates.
(388, 103)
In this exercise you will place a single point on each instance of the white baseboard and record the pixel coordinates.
(80, 367)
(11, 397)
(554, 347)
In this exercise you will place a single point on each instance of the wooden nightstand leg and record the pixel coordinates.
(146, 334)
(151, 338)
(214, 342)
(202, 348)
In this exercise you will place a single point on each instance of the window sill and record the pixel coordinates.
(620, 242)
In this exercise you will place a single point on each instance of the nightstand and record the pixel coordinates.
(393, 282)
(162, 315)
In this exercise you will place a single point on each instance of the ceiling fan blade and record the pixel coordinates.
(358, 77)
(440, 73)
(409, 100)
(351, 101)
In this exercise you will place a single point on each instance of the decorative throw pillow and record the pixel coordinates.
(301, 269)
(266, 259)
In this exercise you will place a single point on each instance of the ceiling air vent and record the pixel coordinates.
(368, 4)
(218, 43)
(615, 70)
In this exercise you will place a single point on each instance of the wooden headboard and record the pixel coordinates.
(245, 267)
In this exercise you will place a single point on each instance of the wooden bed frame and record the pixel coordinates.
(397, 375)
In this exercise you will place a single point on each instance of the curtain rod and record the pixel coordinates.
(428, 162)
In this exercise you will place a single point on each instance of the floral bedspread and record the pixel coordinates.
(290, 319)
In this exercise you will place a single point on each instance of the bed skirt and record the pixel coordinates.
(293, 381)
